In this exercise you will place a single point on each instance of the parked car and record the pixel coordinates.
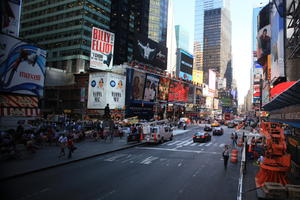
(201, 137)
(218, 131)
(208, 127)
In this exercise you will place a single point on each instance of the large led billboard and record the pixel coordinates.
(22, 67)
(277, 43)
(151, 88)
(185, 61)
(163, 88)
(178, 91)
(10, 16)
(102, 49)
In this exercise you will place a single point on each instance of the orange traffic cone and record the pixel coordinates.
(234, 156)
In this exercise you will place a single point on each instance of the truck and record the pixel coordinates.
(157, 132)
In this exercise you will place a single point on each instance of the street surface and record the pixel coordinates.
(178, 169)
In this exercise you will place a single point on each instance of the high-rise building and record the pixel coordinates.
(200, 7)
(158, 21)
(63, 28)
(171, 41)
(127, 19)
(182, 38)
(217, 42)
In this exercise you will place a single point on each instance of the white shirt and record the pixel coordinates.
(63, 139)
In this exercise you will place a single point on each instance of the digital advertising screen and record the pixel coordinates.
(138, 83)
(151, 88)
(178, 91)
(163, 88)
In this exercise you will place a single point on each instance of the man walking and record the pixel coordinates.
(62, 142)
(226, 156)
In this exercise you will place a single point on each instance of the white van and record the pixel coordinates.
(157, 134)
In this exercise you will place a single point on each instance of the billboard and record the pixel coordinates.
(10, 17)
(22, 67)
(199, 95)
(102, 49)
(151, 88)
(106, 88)
(212, 80)
(96, 93)
(185, 76)
(163, 89)
(17, 101)
(198, 76)
(178, 91)
(277, 43)
(185, 61)
(150, 52)
(191, 94)
(265, 98)
(138, 83)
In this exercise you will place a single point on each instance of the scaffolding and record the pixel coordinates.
(293, 12)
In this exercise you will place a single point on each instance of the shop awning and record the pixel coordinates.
(289, 97)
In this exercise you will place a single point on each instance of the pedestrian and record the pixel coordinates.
(234, 139)
(62, 143)
(71, 147)
(226, 156)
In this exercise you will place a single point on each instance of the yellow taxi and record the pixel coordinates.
(215, 124)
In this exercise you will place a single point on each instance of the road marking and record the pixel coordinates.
(181, 143)
(201, 144)
(179, 165)
(194, 144)
(208, 144)
(173, 143)
(222, 145)
(176, 150)
(149, 160)
(111, 159)
(187, 143)
(215, 144)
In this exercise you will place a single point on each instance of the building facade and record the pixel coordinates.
(182, 37)
(64, 29)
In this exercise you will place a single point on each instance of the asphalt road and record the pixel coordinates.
(178, 169)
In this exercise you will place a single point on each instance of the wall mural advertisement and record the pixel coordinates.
(163, 88)
(97, 94)
(138, 83)
(22, 67)
(10, 16)
(277, 43)
(178, 91)
(150, 52)
(102, 49)
(106, 88)
(151, 88)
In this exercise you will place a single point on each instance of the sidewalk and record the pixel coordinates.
(47, 157)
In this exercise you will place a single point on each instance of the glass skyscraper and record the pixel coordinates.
(200, 7)
(182, 38)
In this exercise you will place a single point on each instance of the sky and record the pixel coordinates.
(241, 17)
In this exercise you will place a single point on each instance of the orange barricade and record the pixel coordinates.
(234, 156)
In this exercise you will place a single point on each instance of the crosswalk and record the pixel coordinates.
(186, 142)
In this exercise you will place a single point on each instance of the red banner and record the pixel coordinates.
(22, 112)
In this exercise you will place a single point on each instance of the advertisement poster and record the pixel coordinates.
(178, 91)
(185, 76)
(10, 11)
(115, 90)
(138, 83)
(97, 94)
(151, 88)
(17, 101)
(102, 49)
(22, 67)
(199, 95)
(198, 76)
(277, 44)
(150, 52)
(191, 94)
(264, 41)
(163, 88)
(212, 80)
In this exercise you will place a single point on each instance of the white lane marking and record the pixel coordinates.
(111, 159)
(194, 144)
(215, 144)
(188, 143)
(181, 143)
(222, 145)
(179, 165)
(208, 144)
(201, 144)
(128, 158)
(149, 160)
(176, 150)
(174, 143)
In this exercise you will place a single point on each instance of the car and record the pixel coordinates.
(218, 131)
(215, 124)
(208, 127)
(201, 137)
(231, 125)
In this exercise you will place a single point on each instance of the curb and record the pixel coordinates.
(66, 163)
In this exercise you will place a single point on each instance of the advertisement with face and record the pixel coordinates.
(264, 41)
(199, 95)
(97, 94)
(10, 17)
(115, 90)
(22, 67)
(277, 44)
(138, 83)
(102, 49)
(151, 88)
(163, 88)
(191, 94)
